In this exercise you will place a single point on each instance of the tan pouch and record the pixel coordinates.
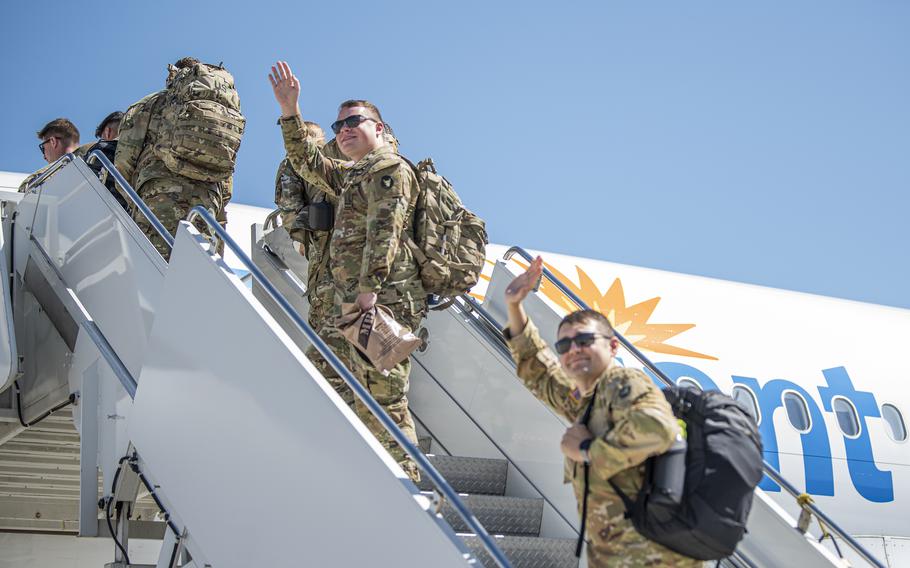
(377, 335)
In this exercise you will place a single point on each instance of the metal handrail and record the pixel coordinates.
(486, 322)
(77, 310)
(270, 219)
(131, 193)
(421, 460)
(769, 470)
(61, 161)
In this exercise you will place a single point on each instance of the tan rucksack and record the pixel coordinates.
(201, 124)
(449, 240)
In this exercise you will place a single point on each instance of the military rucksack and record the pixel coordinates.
(450, 241)
(723, 464)
(201, 124)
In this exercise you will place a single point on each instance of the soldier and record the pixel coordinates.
(368, 263)
(170, 196)
(109, 129)
(107, 133)
(630, 421)
(58, 137)
(292, 193)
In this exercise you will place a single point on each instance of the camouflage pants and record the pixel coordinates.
(612, 542)
(171, 200)
(322, 320)
(391, 392)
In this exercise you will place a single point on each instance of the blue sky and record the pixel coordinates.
(764, 142)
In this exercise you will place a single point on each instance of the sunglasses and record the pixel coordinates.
(581, 340)
(41, 146)
(352, 121)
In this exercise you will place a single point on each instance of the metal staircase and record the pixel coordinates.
(195, 387)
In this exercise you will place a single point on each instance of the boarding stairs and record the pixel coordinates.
(201, 422)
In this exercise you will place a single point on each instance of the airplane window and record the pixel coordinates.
(846, 417)
(895, 422)
(745, 397)
(797, 412)
(689, 384)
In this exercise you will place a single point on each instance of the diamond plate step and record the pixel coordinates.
(478, 476)
(499, 515)
(527, 552)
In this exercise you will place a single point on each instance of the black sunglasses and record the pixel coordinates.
(352, 121)
(585, 339)
(41, 146)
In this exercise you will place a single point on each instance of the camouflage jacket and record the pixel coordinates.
(136, 141)
(630, 420)
(377, 194)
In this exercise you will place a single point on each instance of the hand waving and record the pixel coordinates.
(286, 88)
(523, 283)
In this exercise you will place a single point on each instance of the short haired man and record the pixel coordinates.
(58, 138)
(292, 194)
(109, 128)
(368, 263)
(629, 421)
(170, 196)
(107, 133)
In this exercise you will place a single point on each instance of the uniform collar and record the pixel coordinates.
(373, 156)
(603, 379)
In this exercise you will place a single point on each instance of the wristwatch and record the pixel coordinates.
(584, 446)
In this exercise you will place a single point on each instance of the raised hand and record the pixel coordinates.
(286, 88)
(523, 283)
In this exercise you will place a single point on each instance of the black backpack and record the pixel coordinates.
(723, 466)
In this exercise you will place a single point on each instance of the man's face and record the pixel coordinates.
(111, 130)
(356, 142)
(586, 363)
(53, 148)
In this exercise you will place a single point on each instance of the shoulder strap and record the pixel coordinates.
(406, 238)
(585, 418)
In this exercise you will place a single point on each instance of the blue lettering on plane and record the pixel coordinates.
(872, 483)
(815, 444)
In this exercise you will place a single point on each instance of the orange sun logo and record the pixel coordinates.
(630, 321)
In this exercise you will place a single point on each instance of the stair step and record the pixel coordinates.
(424, 443)
(527, 552)
(477, 476)
(499, 515)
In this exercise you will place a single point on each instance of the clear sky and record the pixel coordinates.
(764, 142)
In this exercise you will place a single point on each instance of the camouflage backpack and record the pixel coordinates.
(201, 124)
(450, 240)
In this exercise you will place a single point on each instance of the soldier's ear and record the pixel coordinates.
(614, 346)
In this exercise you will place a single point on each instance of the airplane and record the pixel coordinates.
(821, 376)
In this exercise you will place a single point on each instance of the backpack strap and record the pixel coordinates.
(585, 418)
(406, 238)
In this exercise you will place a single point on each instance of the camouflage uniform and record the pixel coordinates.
(168, 195)
(292, 193)
(630, 421)
(366, 256)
